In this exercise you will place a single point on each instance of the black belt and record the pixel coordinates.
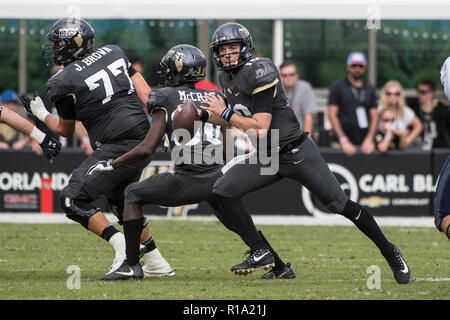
(294, 143)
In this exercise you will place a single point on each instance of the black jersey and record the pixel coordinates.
(255, 76)
(199, 153)
(103, 95)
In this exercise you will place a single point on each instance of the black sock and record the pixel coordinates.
(132, 230)
(108, 232)
(240, 218)
(366, 223)
(279, 264)
(150, 244)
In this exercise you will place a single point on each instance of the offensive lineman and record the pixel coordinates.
(182, 67)
(97, 88)
(258, 102)
(50, 147)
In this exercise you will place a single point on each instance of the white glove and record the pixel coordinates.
(100, 166)
(38, 108)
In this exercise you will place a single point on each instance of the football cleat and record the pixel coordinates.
(156, 266)
(397, 263)
(258, 259)
(286, 272)
(118, 260)
(125, 272)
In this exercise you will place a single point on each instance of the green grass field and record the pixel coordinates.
(330, 263)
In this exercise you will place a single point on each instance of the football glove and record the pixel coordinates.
(50, 147)
(35, 106)
(104, 165)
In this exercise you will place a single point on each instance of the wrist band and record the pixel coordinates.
(38, 109)
(343, 139)
(85, 139)
(37, 135)
(227, 113)
(388, 136)
(205, 116)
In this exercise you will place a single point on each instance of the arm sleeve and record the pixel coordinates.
(263, 101)
(445, 77)
(65, 107)
(131, 71)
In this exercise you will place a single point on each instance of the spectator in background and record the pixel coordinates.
(435, 117)
(10, 137)
(386, 138)
(300, 95)
(352, 108)
(406, 123)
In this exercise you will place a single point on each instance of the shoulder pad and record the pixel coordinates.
(114, 47)
(157, 98)
(58, 86)
(261, 74)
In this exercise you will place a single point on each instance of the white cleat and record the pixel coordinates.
(156, 265)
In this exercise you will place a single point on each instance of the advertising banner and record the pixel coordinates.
(401, 183)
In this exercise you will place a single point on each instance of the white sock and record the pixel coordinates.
(117, 241)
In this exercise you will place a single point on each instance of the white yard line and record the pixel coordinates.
(331, 220)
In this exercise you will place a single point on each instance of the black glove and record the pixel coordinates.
(50, 148)
(25, 99)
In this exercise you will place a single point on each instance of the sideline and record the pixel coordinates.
(331, 220)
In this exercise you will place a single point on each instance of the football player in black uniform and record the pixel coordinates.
(442, 198)
(97, 87)
(50, 147)
(258, 102)
(182, 67)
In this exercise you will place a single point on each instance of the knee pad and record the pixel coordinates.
(78, 210)
(117, 208)
(226, 188)
(129, 192)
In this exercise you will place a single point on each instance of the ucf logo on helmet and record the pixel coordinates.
(67, 33)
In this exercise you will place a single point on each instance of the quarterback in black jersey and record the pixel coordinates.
(258, 104)
(98, 88)
(182, 67)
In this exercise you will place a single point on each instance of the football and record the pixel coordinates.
(183, 118)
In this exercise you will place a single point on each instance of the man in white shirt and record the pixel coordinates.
(300, 95)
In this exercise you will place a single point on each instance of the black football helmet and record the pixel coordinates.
(227, 33)
(182, 64)
(69, 39)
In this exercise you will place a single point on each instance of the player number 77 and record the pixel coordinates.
(114, 68)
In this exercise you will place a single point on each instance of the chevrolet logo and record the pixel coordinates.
(374, 202)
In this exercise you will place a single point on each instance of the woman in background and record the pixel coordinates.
(406, 124)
